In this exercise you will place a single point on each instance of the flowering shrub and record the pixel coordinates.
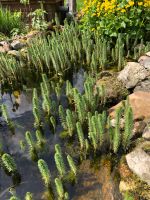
(111, 17)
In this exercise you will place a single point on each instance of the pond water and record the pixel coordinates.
(94, 182)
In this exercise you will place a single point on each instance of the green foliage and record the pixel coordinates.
(117, 136)
(45, 173)
(80, 135)
(59, 188)
(36, 111)
(29, 196)
(72, 165)
(9, 163)
(60, 163)
(6, 117)
(70, 122)
(128, 127)
(129, 17)
(10, 21)
(38, 18)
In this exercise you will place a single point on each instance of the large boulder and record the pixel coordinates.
(18, 44)
(143, 86)
(132, 74)
(140, 103)
(145, 61)
(139, 162)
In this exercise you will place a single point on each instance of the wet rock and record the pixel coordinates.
(143, 86)
(139, 162)
(114, 89)
(145, 61)
(132, 74)
(140, 103)
(14, 53)
(146, 133)
(17, 44)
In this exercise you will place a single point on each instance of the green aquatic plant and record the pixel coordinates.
(7, 118)
(53, 122)
(40, 139)
(72, 165)
(31, 143)
(128, 127)
(70, 122)
(60, 164)
(62, 116)
(59, 188)
(9, 163)
(45, 173)
(58, 149)
(14, 198)
(29, 196)
(80, 135)
(36, 111)
(117, 135)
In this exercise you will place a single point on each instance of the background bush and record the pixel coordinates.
(10, 21)
(112, 17)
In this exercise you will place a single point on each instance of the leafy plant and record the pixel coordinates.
(45, 173)
(9, 163)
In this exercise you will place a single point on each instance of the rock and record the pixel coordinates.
(145, 61)
(143, 86)
(14, 53)
(6, 46)
(132, 74)
(148, 53)
(125, 186)
(146, 133)
(139, 162)
(2, 50)
(17, 44)
(114, 89)
(138, 129)
(140, 103)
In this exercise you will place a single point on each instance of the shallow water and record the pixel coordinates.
(92, 183)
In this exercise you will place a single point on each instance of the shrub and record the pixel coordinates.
(112, 17)
(10, 21)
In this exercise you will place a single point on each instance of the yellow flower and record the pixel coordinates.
(123, 10)
(140, 3)
(131, 3)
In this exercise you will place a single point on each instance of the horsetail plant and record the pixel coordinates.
(80, 135)
(59, 189)
(29, 196)
(72, 165)
(9, 163)
(128, 127)
(45, 173)
(60, 164)
(6, 117)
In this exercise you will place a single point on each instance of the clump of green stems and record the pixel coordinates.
(9, 163)
(31, 144)
(29, 196)
(45, 172)
(62, 195)
(7, 119)
(36, 109)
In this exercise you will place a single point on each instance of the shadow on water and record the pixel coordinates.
(92, 184)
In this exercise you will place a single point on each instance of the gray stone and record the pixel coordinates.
(139, 162)
(143, 86)
(132, 74)
(145, 61)
(14, 53)
(2, 50)
(146, 133)
(17, 45)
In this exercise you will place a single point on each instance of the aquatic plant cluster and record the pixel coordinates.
(85, 122)
(58, 55)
